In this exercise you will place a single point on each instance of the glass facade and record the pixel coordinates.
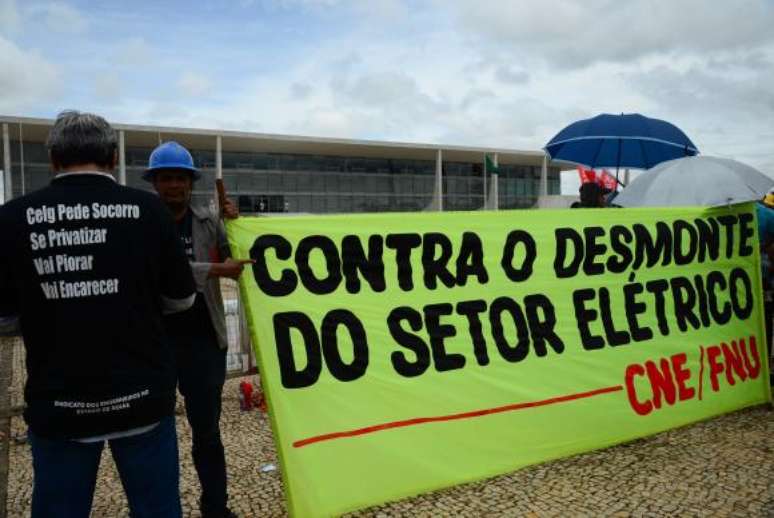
(33, 172)
(297, 183)
(268, 182)
(519, 185)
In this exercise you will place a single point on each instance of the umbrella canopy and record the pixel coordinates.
(696, 181)
(630, 140)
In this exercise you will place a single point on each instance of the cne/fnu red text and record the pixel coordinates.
(670, 381)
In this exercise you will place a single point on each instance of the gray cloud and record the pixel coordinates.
(508, 74)
(716, 93)
(475, 96)
(27, 78)
(572, 34)
(133, 52)
(382, 89)
(300, 91)
(726, 109)
(58, 17)
(194, 84)
(294, 4)
(511, 75)
(108, 86)
(10, 20)
(388, 104)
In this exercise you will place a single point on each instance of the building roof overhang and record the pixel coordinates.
(36, 130)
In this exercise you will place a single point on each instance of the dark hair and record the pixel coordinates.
(590, 193)
(81, 138)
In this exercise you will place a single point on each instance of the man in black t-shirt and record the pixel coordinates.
(87, 267)
(199, 334)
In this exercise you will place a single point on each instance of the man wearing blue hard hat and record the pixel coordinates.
(199, 334)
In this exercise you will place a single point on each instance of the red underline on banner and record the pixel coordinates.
(454, 417)
(701, 369)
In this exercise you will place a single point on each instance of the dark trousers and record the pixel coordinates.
(65, 473)
(201, 372)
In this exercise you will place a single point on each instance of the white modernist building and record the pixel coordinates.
(284, 173)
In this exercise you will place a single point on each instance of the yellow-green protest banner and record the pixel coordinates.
(402, 353)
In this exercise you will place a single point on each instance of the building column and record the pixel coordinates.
(21, 161)
(121, 158)
(438, 193)
(544, 176)
(626, 177)
(7, 184)
(218, 157)
(483, 179)
(494, 194)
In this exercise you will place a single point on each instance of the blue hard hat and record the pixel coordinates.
(170, 155)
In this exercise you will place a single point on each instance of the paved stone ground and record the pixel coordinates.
(6, 363)
(721, 467)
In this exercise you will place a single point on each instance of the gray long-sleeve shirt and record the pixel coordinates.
(209, 246)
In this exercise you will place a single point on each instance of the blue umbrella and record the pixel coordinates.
(631, 140)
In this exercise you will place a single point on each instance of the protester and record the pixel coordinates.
(765, 210)
(199, 334)
(86, 268)
(591, 196)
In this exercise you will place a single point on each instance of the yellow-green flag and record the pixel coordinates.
(402, 353)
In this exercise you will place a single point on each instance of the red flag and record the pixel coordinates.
(603, 178)
(607, 180)
(586, 175)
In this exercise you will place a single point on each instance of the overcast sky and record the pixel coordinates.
(501, 73)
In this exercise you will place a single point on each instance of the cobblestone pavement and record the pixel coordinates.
(6, 363)
(721, 467)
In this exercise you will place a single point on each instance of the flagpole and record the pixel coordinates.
(220, 189)
(121, 157)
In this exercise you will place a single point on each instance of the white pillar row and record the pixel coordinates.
(218, 157)
(21, 161)
(8, 184)
(121, 158)
(438, 192)
(494, 193)
(544, 176)
(483, 178)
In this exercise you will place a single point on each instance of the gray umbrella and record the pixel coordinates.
(696, 181)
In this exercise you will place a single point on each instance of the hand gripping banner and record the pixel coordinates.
(402, 353)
